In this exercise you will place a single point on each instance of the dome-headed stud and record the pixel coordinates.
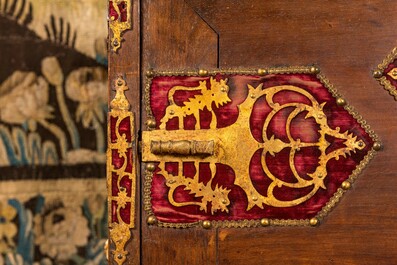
(265, 222)
(346, 185)
(314, 70)
(341, 102)
(150, 73)
(263, 71)
(151, 167)
(151, 220)
(377, 146)
(377, 73)
(314, 221)
(151, 123)
(203, 72)
(206, 224)
(116, 43)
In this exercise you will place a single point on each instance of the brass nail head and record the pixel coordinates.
(346, 185)
(377, 146)
(151, 167)
(265, 222)
(151, 123)
(150, 73)
(263, 71)
(314, 221)
(314, 70)
(203, 72)
(206, 224)
(377, 73)
(115, 43)
(151, 220)
(341, 102)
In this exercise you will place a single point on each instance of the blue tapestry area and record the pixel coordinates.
(53, 105)
(38, 233)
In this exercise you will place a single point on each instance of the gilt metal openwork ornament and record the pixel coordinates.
(119, 21)
(274, 146)
(121, 174)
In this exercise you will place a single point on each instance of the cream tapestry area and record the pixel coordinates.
(53, 104)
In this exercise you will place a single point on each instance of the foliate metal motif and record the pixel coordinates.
(278, 114)
(386, 73)
(119, 21)
(121, 174)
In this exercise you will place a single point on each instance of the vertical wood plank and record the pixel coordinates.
(175, 37)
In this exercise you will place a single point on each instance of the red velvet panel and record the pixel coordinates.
(305, 160)
(120, 130)
(122, 10)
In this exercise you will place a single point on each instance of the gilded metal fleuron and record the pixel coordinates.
(235, 148)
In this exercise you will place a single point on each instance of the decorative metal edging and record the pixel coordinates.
(121, 172)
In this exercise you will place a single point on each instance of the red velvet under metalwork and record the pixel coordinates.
(121, 168)
(305, 159)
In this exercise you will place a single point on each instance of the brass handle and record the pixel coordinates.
(182, 148)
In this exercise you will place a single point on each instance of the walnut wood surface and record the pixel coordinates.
(346, 39)
(175, 37)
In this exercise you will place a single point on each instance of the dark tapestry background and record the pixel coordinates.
(53, 100)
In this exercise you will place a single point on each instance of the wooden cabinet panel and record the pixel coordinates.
(346, 40)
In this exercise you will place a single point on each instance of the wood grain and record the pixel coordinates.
(175, 37)
(346, 39)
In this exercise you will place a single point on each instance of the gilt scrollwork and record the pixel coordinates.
(119, 21)
(121, 176)
(227, 152)
(235, 145)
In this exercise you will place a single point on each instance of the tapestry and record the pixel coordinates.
(53, 105)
